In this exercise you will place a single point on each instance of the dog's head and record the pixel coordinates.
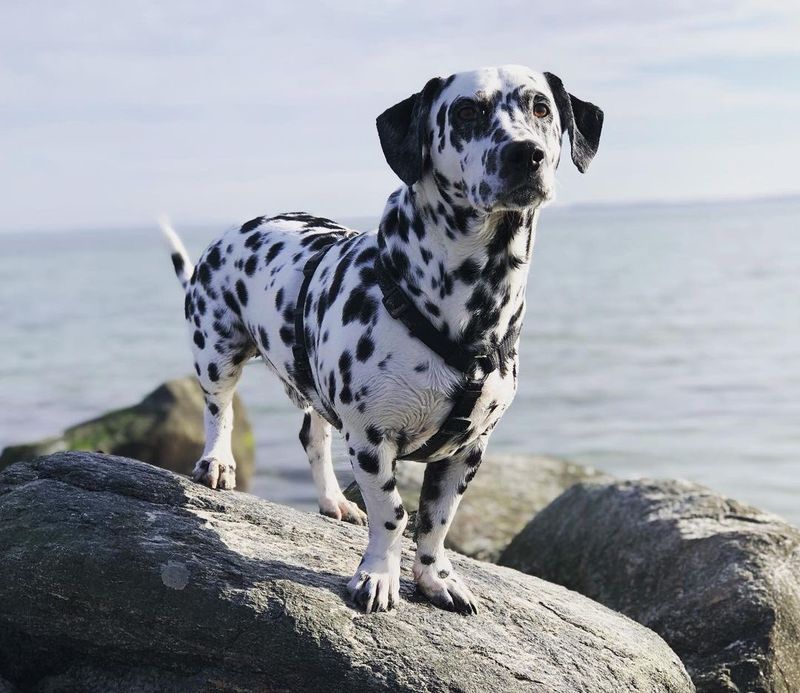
(491, 138)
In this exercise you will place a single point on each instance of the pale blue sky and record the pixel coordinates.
(111, 112)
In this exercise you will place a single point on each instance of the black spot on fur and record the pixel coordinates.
(273, 251)
(368, 461)
(305, 431)
(425, 559)
(287, 335)
(359, 306)
(250, 265)
(177, 262)
(199, 339)
(390, 526)
(468, 271)
(203, 273)
(366, 256)
(230, 301)
(213, 372)
(262, 335)
(250, 225)
(432, 308)
(374, 435)
(474, 458)
(424, 524)
(241, 292)
(364, 348)
(213, 258)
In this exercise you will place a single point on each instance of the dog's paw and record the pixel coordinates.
(215, 473)
(376, 584)
(342, 509)
(443, 588)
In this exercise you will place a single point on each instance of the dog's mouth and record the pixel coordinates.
(528, 194)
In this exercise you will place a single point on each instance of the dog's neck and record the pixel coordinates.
(465, 270)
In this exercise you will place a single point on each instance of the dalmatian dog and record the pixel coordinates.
(477, 153)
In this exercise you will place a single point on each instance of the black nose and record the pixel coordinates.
(520, 160)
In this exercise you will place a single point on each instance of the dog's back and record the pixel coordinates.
(240, 297)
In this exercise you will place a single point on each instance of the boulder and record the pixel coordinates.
(507, 492)
(117, 575)
(717, 579)
(164, 429)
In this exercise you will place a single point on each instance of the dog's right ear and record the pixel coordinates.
(401, 130)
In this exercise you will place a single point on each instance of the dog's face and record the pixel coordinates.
(496, 137)
(490, 138)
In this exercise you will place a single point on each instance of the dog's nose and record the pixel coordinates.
(520, 159)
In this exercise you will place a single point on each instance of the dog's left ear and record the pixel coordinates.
(401, 130)
(582, 120)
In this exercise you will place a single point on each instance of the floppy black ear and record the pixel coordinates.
(401, 130)
(582, 120)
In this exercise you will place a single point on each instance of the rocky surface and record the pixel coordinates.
(165, 429)
(118, 575)
(507, 492)
(717, 579)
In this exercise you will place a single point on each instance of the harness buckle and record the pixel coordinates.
(395, 302)
(456, 425)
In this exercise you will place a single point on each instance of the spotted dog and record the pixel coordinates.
(477, 152)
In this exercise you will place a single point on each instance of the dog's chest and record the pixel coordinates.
(367, 366)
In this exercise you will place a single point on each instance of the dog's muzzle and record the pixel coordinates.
(519, 170)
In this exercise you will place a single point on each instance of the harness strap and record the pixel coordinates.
(475, 366)
(302, 365)
(402, 308)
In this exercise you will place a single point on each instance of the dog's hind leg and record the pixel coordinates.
(315, 436)
(218, 379)
(442, 487)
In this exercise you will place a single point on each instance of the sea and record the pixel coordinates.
(661, 340)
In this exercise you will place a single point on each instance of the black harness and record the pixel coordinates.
(475, 366)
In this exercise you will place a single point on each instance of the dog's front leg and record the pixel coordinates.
(376, 584)
(442, 487)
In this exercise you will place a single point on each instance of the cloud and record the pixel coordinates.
(115, 111)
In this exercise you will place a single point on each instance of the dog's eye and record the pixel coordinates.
(541, 110)
(468, 113)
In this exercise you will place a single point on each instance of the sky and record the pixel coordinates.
(112, 113)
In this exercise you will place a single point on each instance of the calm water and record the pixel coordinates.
(659, 341)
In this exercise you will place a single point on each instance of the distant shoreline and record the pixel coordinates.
(367, 221)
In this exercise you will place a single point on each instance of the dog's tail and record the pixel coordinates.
(180, 258)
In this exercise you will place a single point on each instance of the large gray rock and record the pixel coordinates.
(507, 492)
(165, 429)
(717, 579)
(121, 576)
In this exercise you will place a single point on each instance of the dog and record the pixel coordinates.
(477, 153)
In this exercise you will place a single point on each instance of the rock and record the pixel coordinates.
(165, 429)
(500, 501)
(118, 575)
(717, 579)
